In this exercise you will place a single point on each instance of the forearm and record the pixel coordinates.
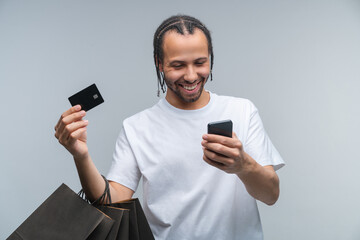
(93, 183)
(91, 180)
(262, 183)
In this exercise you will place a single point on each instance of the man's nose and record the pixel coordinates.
(190, 74)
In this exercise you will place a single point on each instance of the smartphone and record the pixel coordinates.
(88, 98)
(223, 128)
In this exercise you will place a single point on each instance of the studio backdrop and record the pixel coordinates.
(298, 61)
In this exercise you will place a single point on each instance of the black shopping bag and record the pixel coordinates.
(120, 229)
(139, 228)
(133, 226)
(64, 215)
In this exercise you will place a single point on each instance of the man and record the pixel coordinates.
(196, 185)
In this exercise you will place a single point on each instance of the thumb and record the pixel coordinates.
(234, 135)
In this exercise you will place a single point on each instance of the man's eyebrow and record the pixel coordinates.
(202, 58)
(175, 62)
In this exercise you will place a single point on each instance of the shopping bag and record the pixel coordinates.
(120, 229)
(134, 227)
(139, 228)
(63, 216)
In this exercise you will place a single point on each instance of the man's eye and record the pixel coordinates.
(199, 63)
(177, 66)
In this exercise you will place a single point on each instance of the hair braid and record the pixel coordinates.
(181, 24)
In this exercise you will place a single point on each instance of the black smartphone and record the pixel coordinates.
(88, 98)
(223, 128)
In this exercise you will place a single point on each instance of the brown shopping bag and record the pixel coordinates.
(64, 215)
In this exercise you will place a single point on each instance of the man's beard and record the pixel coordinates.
(175, 89)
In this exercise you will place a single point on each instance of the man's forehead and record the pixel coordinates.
(176, 42)
(173, 33)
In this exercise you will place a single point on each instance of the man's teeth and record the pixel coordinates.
(190, 88)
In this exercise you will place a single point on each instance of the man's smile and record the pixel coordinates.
(190, 87)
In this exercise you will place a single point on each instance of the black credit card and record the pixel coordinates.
(223, 128)
(88, 98)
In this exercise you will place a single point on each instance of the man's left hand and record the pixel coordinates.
(226, 153)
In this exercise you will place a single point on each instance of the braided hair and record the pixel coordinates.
(182, 24)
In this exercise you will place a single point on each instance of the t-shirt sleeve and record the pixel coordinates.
(258, 145)
(124, 168)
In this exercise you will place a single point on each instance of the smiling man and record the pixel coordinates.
(185, 68)
(196, 185)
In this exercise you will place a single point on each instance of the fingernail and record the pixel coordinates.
(86, 121)
(205, 136)
(82, 113)
(77, 107)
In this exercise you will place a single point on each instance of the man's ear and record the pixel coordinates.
(159, 65)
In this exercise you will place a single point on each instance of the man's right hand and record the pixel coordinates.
(71, 132)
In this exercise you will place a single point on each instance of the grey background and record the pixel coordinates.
(298, 61)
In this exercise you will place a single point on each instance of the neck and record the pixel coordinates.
(178, 103)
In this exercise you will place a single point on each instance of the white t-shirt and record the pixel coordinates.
(184, 197)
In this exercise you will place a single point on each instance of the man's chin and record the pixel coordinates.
(191, 98)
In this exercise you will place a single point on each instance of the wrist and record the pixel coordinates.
(81, 158)
(248, 166)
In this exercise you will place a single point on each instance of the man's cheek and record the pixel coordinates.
(204, 74)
